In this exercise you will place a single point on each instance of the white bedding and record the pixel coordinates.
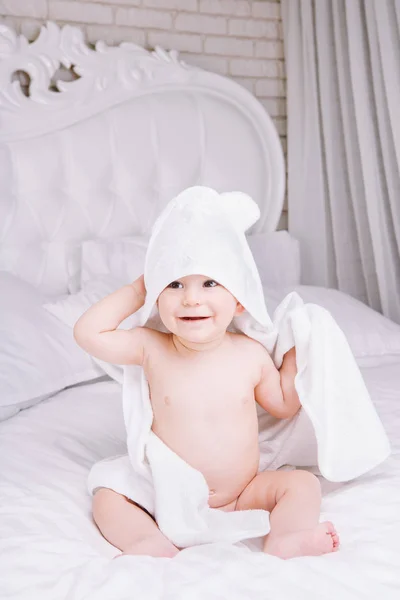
(50, 549)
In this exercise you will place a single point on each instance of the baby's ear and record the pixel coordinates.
(239, 309)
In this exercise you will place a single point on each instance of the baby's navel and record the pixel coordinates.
(167, 400)
(212, 493)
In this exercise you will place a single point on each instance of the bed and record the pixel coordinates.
(85, 166)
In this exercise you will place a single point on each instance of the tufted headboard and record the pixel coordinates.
(101, 155)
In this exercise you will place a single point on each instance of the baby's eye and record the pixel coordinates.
(175, 285)
(210, 283)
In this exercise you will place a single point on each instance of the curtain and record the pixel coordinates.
(343, 93)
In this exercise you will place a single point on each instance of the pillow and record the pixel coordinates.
(38, 355)
(276, 255)
(374, 339)
(68, 310)
(123, 258)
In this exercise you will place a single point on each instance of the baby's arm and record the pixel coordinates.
(96, 330)
(276, 392)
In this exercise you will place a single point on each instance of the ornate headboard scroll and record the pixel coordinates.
(107, 76)
(99, 156)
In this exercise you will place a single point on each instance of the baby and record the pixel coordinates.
(204, 383)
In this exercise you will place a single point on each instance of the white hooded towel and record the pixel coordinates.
(337, 429)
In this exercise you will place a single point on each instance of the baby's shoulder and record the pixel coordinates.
(251, 355)
(248, 344)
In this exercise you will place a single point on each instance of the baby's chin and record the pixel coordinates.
(199, 335)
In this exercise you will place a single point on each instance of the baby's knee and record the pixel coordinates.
(104, 501)
(305, 480)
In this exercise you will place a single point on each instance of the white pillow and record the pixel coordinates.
(373, 338)
(68, 310)
(276, 255)
(122, 257)
(38, 355)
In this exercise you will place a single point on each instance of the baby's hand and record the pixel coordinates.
(288, 366)
(139, 287)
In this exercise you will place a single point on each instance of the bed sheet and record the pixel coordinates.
(50, 549)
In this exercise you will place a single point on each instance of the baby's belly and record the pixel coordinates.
(227, 455)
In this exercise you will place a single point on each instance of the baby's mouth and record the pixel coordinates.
(193, 318)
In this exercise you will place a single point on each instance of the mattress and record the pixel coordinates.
(50, 548)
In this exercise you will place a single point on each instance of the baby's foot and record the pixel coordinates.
(153, 545)
(307, 542)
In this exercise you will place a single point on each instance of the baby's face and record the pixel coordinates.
(197, 309)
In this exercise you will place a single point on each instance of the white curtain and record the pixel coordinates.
(343, 91)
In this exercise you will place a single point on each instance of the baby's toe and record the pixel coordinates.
(329, 527)
(330, 530)
(336, 541)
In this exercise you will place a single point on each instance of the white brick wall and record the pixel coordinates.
(241, 39)
(80, 12)
(22, 8)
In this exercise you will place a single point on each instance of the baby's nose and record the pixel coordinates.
(191, 298)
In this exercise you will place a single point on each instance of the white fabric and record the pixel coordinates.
(122, 257)
(343, 93)
(38, 355)
(68, 308)
(202, 232)
(373, 338)
(51, 550)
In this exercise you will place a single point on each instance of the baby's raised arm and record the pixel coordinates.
(96, 330)
(276, 392)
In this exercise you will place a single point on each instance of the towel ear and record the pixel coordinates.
(241, 210)
(200, 201)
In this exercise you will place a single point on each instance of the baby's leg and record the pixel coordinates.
(128, 527)
(293, 499)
